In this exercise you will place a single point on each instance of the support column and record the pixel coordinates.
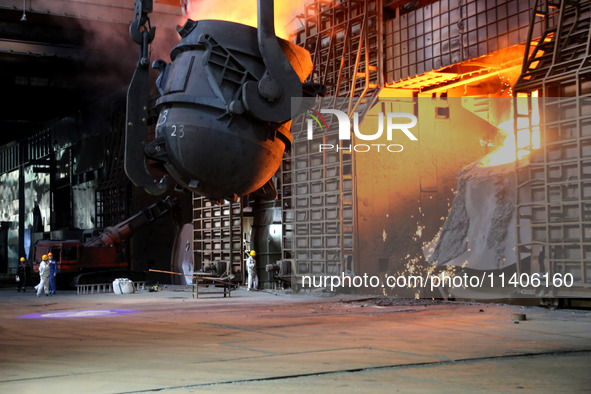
(21, 200)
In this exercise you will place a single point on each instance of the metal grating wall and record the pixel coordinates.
(34, 148)
(112, 197)
(448, 32)
(217, 234)
(318, 189)
(317, 220)
(345, 41)
(554, 182)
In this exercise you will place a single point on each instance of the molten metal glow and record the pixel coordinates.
(505, 152)
(245, 12)
(528, 135)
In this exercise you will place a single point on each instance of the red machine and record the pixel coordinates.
(103, 252)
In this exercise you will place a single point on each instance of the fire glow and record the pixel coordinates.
(245, 12)
(517, 147)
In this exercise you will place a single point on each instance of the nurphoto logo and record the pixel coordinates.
(396, 125)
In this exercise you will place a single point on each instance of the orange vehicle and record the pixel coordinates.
(101, 257)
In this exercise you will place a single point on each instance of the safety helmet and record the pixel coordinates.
(22, 259)
(49, 254)
(44, 257)
(253, 253)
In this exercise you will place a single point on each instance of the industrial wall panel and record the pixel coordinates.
(217, 234)
(552, 182)
(448, 32)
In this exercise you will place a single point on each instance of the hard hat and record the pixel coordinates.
(22, 259)
(253, 253)
(44, 257)
(49, 254)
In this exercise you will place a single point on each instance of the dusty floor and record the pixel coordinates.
(266, 342)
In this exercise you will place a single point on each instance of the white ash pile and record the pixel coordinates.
(479, 232)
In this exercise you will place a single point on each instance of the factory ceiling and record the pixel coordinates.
(57, 57)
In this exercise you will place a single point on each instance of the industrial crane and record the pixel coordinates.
(227, 100)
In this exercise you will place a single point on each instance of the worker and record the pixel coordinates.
(21, 275)
(52, 273)
(251, 266)
(44, 276)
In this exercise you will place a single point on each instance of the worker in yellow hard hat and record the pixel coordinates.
(44, 276)
(52, 272)
(253, 280)
(21, 275)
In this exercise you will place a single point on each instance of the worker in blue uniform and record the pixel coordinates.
(21, 275)
(52, 273)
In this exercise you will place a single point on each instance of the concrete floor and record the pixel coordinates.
(277, 342)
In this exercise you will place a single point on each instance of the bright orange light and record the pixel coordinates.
(245, 12)
(505, 152)
(528, 135)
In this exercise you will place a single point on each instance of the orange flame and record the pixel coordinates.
(245, 12)
(528, 135)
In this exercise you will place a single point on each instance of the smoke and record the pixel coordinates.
(113, 54)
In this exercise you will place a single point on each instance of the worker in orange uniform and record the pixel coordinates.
(21, 274)
(44, 276)
(251, 266)
(52, 273)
